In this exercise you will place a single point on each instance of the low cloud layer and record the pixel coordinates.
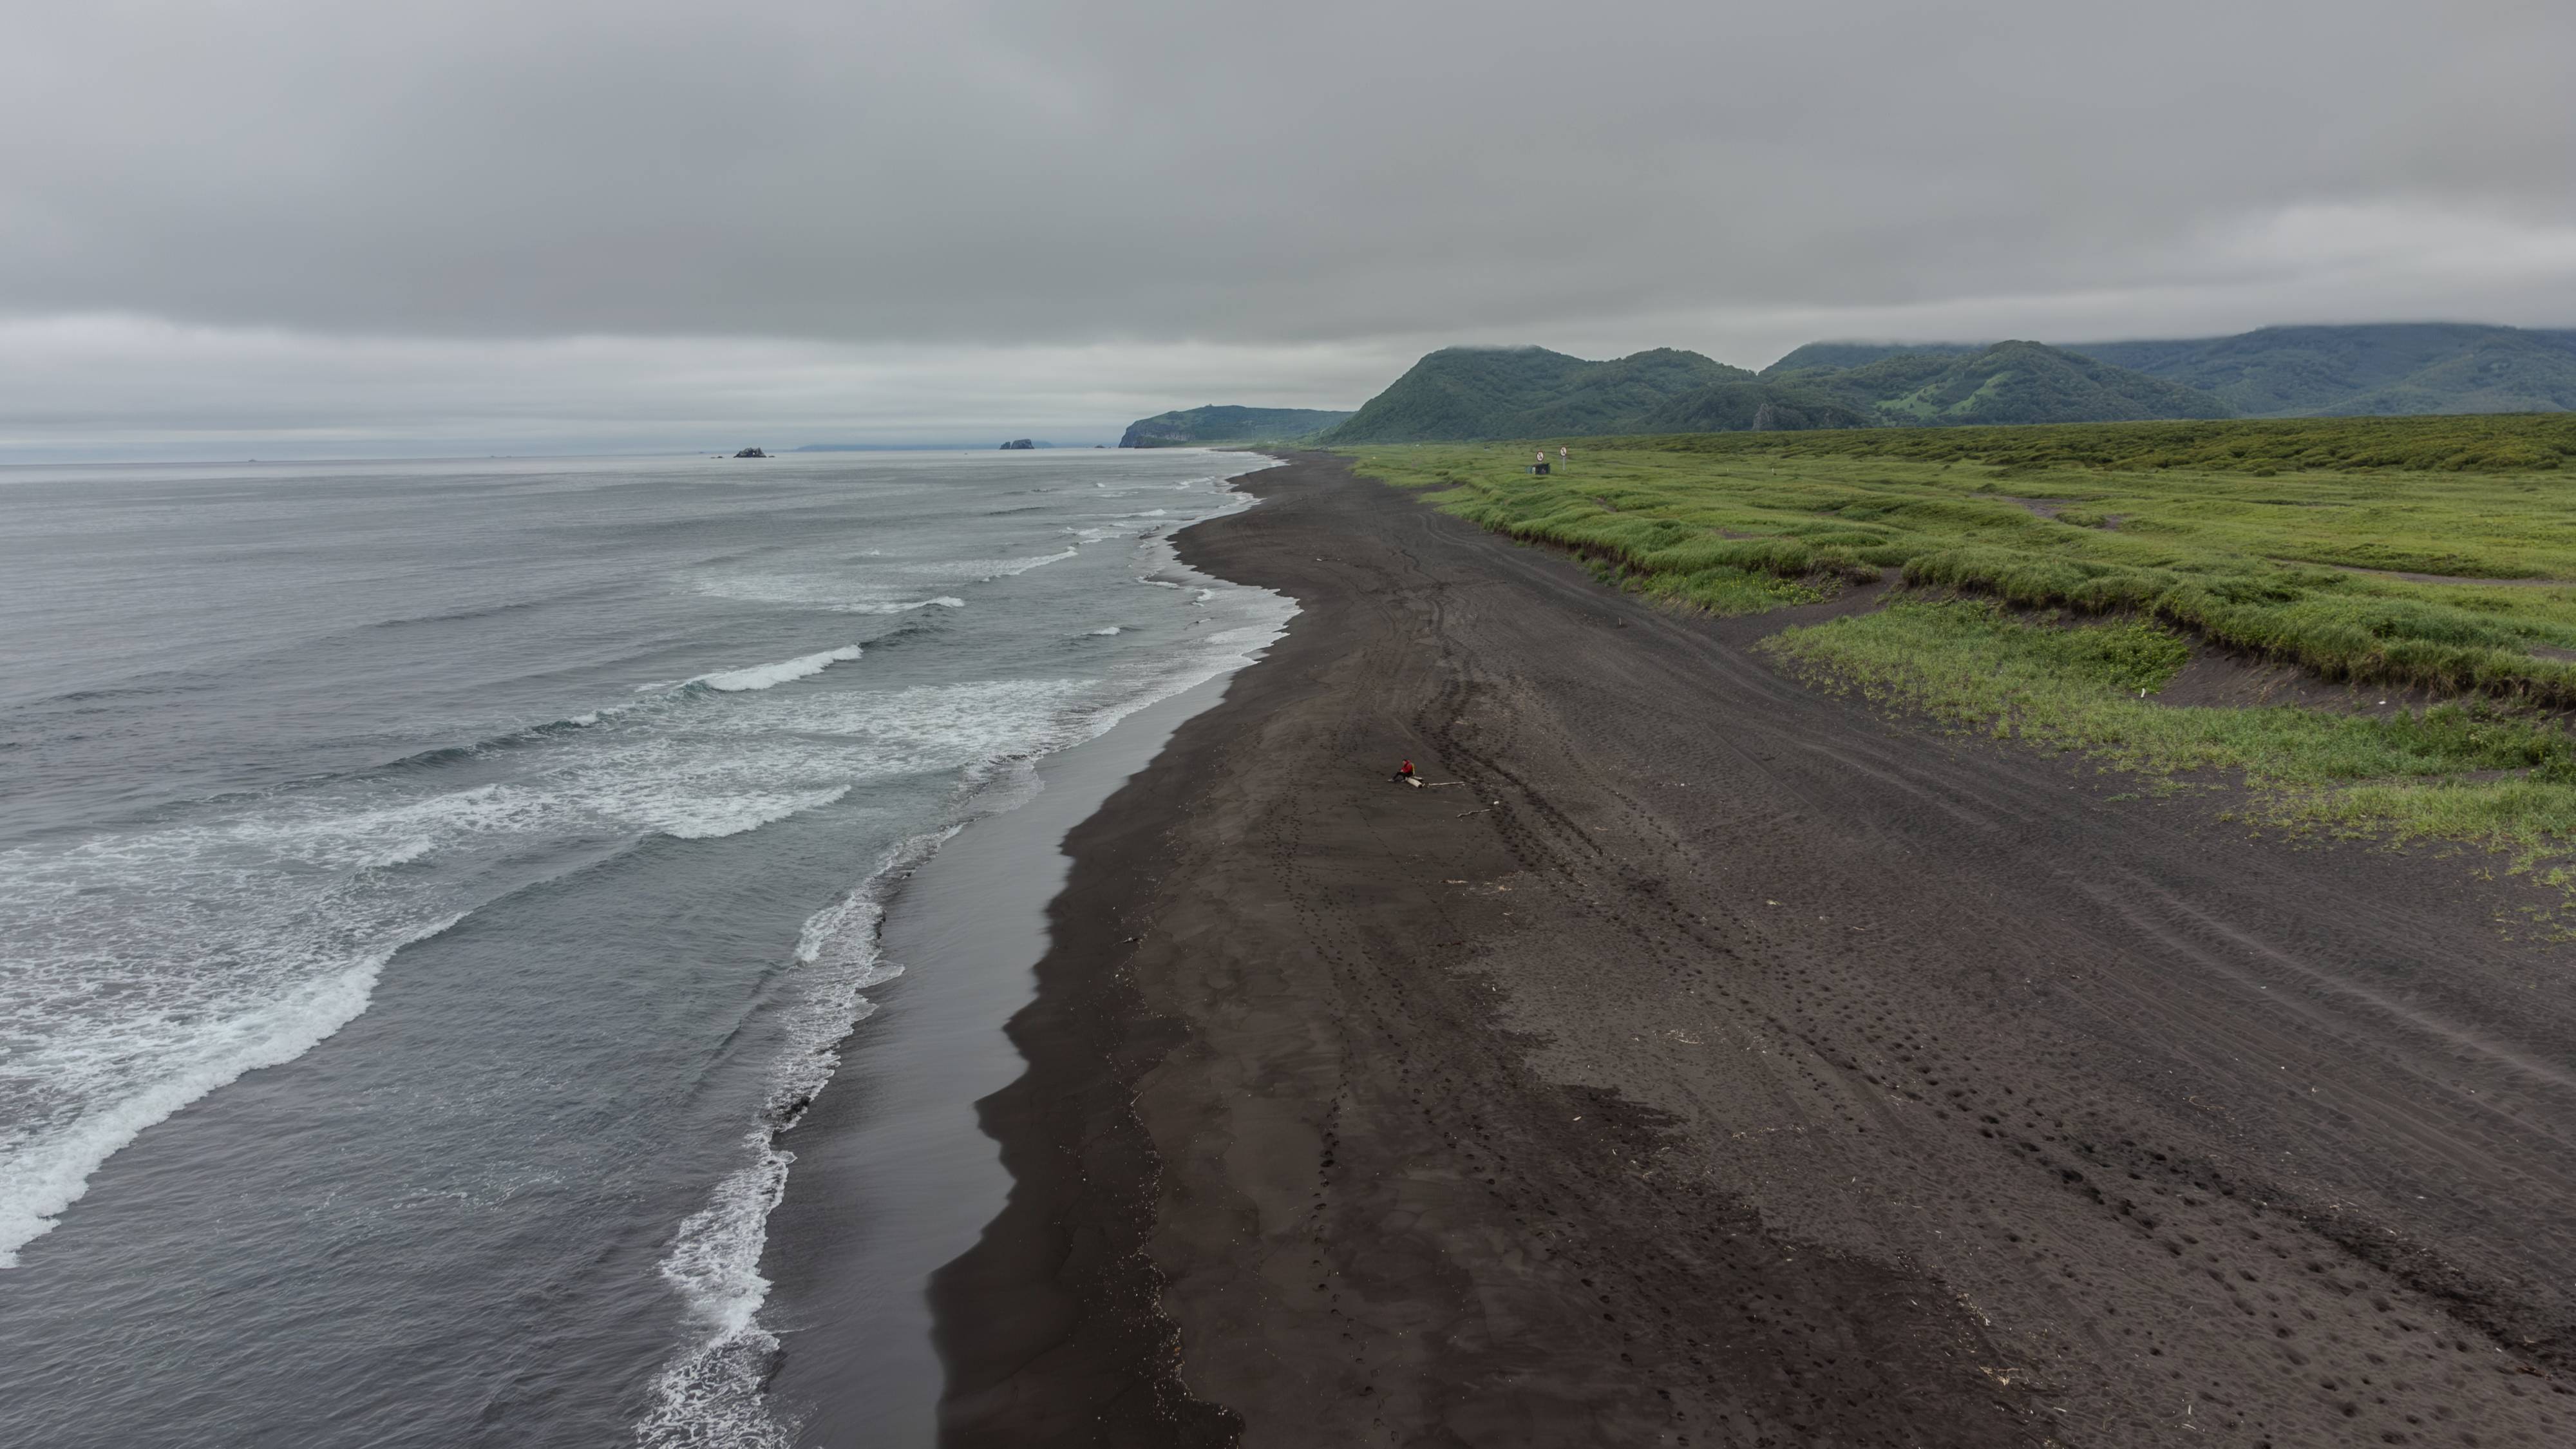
(132, 387)
(909, 218)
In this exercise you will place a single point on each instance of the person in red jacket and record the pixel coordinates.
(1404, 772)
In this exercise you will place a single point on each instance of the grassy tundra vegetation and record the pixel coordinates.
(2052, 574)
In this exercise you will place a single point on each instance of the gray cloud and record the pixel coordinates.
(1324, 184)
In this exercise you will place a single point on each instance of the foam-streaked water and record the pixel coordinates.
(427, 888)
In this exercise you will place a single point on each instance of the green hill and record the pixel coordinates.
(2381, 369)
(1758, 406)
(2009, 382)
(1473, 394)
(2421, 367)
(1462, 394)
(2012, 382)
(2407, 367)
(1213, 424)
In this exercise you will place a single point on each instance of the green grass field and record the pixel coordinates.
(2462, 771)
(2489, 443)
(2280, 539)
(2261, 554)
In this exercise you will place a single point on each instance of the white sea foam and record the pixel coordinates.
(891, 587)
(1217, 654)
(45, 1168)
(735, 814)
(764, 676)
(142, 969)
(1111, 629)
(897, 606)
(282, 917)
(985, 570)
(710, 1393)
(844, 591)
(933, 726)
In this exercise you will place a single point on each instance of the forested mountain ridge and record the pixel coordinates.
(2010, 382)
(1472, 394)
(2417, 367)
(1761, 405)
(2376, 368)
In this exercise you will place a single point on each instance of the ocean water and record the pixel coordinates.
(427, 891)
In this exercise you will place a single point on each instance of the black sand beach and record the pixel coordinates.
(891, 1177)
(1719, 1063)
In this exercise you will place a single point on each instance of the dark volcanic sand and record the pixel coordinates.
(1723, 1064)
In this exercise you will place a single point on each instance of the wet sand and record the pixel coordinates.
(1721, 1063)
(891, 1176)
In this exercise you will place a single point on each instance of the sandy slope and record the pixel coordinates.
(1719, 1064)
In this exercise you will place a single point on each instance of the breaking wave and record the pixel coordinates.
(837, 592)
(764, 676)
(43, 1172)
(709, 1394)
(148, 959)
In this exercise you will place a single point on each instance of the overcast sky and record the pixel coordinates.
(247, 227)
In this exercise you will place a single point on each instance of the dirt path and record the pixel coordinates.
(1719, 1064)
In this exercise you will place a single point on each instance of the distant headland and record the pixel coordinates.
(1215, 426)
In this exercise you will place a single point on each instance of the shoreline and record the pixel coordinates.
(1748, 1068)
(890, 1176)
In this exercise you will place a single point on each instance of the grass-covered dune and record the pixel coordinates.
(2060, 573)
(2255, 535)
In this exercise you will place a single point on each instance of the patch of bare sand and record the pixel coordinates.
(2215, 678)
